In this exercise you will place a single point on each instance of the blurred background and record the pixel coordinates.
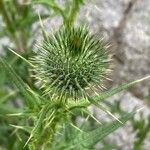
(124, 24)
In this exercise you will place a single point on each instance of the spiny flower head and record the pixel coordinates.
(71, 60)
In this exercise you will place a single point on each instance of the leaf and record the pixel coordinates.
(8, 96)
(25, 128)
(5, 109)
(21, 114)
(106, 94)
(52, 5)
(38, 124)
(31, 20)
(25, 60)
(30, 99)
(89, 139)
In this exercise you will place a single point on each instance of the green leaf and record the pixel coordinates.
(50, 3)
(31, 19)
(30, 99)
(89, 139)
(38, 124)
(102, 96)
(8, 96)
(25, 128)
(5, 110)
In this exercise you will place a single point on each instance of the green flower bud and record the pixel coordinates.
(71, 60)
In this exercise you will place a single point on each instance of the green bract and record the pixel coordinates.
(70, 61)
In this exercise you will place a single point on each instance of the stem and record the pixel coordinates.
(17, 36)
(48, 133)
(6, 16)
(46, 136)
(73, 14)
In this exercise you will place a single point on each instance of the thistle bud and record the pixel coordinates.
(70, 61)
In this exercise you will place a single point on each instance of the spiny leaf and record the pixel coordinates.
(7, 97)
(89, 139)
(22, 114)
(106, 94)
(119, 89)
(23, 88)
(21, 57)
(103, 108)
(38, 123)
(5, 109)
(25, 128)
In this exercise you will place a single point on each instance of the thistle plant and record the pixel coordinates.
(70, 61)
(67, 65)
